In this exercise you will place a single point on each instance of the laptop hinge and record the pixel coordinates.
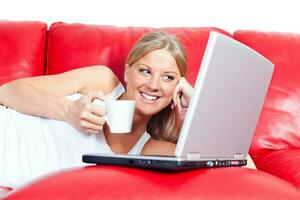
(239, 156)
(193, 156)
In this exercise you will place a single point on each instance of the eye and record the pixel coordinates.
(144, 72)
(168, 78)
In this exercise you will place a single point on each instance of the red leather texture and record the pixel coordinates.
(22, 49)
(110, 182)
(284, 164)
(279, 124)
(275, 146)
(76, 45)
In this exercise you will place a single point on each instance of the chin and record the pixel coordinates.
(149, 110)
(146, 111)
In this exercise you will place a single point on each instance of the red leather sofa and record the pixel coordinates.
(32, 49)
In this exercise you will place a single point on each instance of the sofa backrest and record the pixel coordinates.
(22, 49)
(279, 124)
(69, 46)
(77, 45)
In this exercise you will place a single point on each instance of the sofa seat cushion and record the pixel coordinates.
(279, 124)
(22, 49)
(76, 45)
(113, 182)
(284, 164)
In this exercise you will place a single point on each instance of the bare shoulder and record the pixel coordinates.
(98, 77)
(158, 147)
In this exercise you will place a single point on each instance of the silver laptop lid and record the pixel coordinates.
(228, 97)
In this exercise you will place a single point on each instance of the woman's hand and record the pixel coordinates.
(182, 94)
(84, 115)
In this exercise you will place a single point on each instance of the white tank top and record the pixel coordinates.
(32, 146)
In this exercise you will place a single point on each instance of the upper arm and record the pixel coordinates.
(158, 147)
(78, 80)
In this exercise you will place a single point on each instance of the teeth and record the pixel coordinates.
(149, 97)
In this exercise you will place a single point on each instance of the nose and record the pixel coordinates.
(154, 83)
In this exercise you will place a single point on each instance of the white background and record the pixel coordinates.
(230, 15)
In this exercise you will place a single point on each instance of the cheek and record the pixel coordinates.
(168, 90)
(133, 84)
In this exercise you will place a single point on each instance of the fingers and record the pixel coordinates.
(178, 91)
(91, 131)
(94, 109)
(92, 118)
(95, 95)
(175, 94)
(89, 127)
(182, 93)
(88, 105)
(179, 106)
(91, 96)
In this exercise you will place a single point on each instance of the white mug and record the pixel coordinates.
(119, 114)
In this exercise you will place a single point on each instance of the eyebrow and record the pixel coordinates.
(169, 72)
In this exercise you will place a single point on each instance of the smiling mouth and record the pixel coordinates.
(149, 97)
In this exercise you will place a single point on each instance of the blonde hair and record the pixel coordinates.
(164, 125)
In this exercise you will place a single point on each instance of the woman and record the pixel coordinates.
(69, 124)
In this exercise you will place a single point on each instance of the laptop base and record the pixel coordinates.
(159, 164)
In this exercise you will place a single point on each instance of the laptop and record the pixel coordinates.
(222, 115)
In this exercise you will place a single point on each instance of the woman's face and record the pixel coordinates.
(151, 81)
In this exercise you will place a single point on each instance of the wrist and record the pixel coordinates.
(64, 107)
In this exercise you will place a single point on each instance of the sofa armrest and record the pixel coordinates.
(284, 164)
(113, 182)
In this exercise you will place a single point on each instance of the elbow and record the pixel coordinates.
(7, 91)
(3, 89)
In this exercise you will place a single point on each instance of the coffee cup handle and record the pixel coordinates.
(99, 102)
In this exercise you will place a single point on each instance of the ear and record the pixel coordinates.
(126, 72)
